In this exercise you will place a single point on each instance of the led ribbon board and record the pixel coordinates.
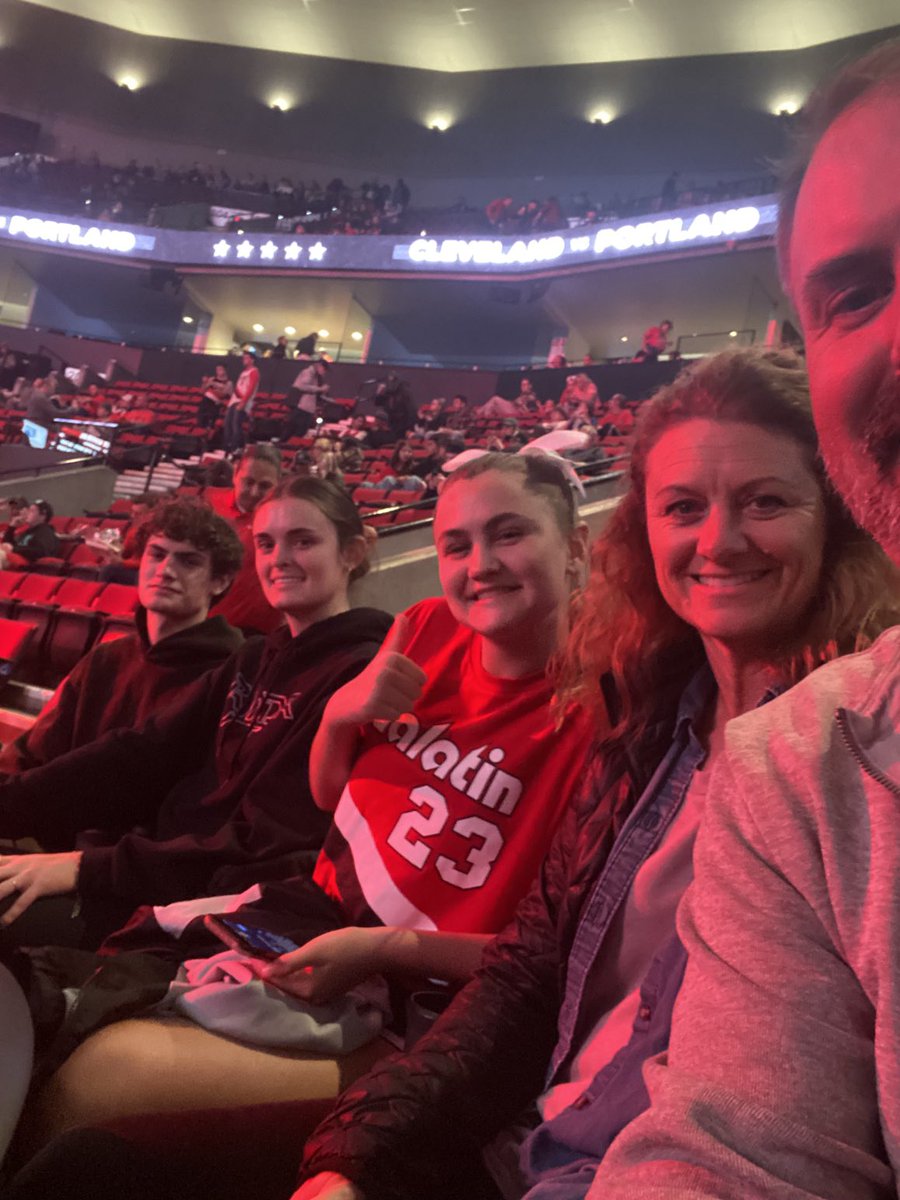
(602, 244)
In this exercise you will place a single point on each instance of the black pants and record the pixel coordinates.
(299, 421)
(95, 1164)
(62, 921)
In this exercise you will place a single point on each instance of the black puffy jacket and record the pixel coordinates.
(415, 1125)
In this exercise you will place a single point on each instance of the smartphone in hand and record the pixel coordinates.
(243, 935)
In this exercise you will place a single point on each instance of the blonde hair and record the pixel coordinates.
(625, 629)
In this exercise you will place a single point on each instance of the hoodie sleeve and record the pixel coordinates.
(145, 871)
(52, 733)
(117, 781)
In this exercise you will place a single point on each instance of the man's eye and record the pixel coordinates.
(858, 298)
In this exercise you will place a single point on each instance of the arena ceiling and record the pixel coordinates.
(479, 35)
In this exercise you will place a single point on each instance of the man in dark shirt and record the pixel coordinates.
(34, 539)
(188, 556)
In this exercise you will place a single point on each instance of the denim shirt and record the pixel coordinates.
(561, 1156)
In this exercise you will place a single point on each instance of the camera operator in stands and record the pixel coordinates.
(303, 396)
(188, 557)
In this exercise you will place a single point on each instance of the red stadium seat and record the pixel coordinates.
(37, 589)
(84, 556)
(407, 515)
(117, 600)
(10, 582)
(71, 626)
(369, 495)
(15, 638)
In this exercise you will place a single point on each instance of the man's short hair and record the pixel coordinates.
(44, 507)
(263, 452)
(833, 97)
(194, 522)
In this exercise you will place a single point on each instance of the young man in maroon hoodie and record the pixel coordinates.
(188, 559)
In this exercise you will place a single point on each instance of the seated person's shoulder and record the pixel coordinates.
(788, 747)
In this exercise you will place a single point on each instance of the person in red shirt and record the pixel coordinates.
(655, 342)
(245, 606)
(446, 766)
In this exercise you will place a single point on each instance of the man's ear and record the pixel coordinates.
(219, 585)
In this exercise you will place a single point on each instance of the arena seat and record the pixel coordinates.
(74, 624)
(408, 515)
(42, 613)
(34, 589)
(369, 495)
(10, 581)
(117, 600)
(15, 638)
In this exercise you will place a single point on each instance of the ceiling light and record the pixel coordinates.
(258, 328)
(601, 116)
(356, 335)
(281, 101)
(129, 82)
(624, 337)
(786, 106)
(323, 333)
(439, 122)
(732, 333)
(290, 330)
(188, 320)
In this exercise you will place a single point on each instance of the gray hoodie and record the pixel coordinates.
(782, 1080)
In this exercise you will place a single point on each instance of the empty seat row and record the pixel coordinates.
(67, 615)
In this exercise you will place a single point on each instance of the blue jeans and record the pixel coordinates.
(235, 432)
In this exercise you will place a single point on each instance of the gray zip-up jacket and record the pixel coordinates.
(782, 1080)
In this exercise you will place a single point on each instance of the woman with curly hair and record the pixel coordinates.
(729, 571)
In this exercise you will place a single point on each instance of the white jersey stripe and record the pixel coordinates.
(380, 891)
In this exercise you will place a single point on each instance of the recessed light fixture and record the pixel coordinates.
(281, 101)
(624, 337)
(129, 82)
(786, 106)
(439, 122)
(187, 320)
(732, 333)
(602, 116)
(258, 328)
(356, 335)
(323, 333)
(290, 330)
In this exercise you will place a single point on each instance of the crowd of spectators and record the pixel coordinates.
(154, 194)
(140, 194)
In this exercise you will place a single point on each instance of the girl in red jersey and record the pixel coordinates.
(444, 765)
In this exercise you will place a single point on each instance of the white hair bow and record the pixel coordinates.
(551, 445)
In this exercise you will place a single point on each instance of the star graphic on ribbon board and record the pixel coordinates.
(268, 250)
(317, 252)
(220, 249)
(245, 249)
(293, 251)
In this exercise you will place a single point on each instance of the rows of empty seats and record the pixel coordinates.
(66, 615)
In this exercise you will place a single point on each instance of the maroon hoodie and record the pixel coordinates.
(248, 816)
